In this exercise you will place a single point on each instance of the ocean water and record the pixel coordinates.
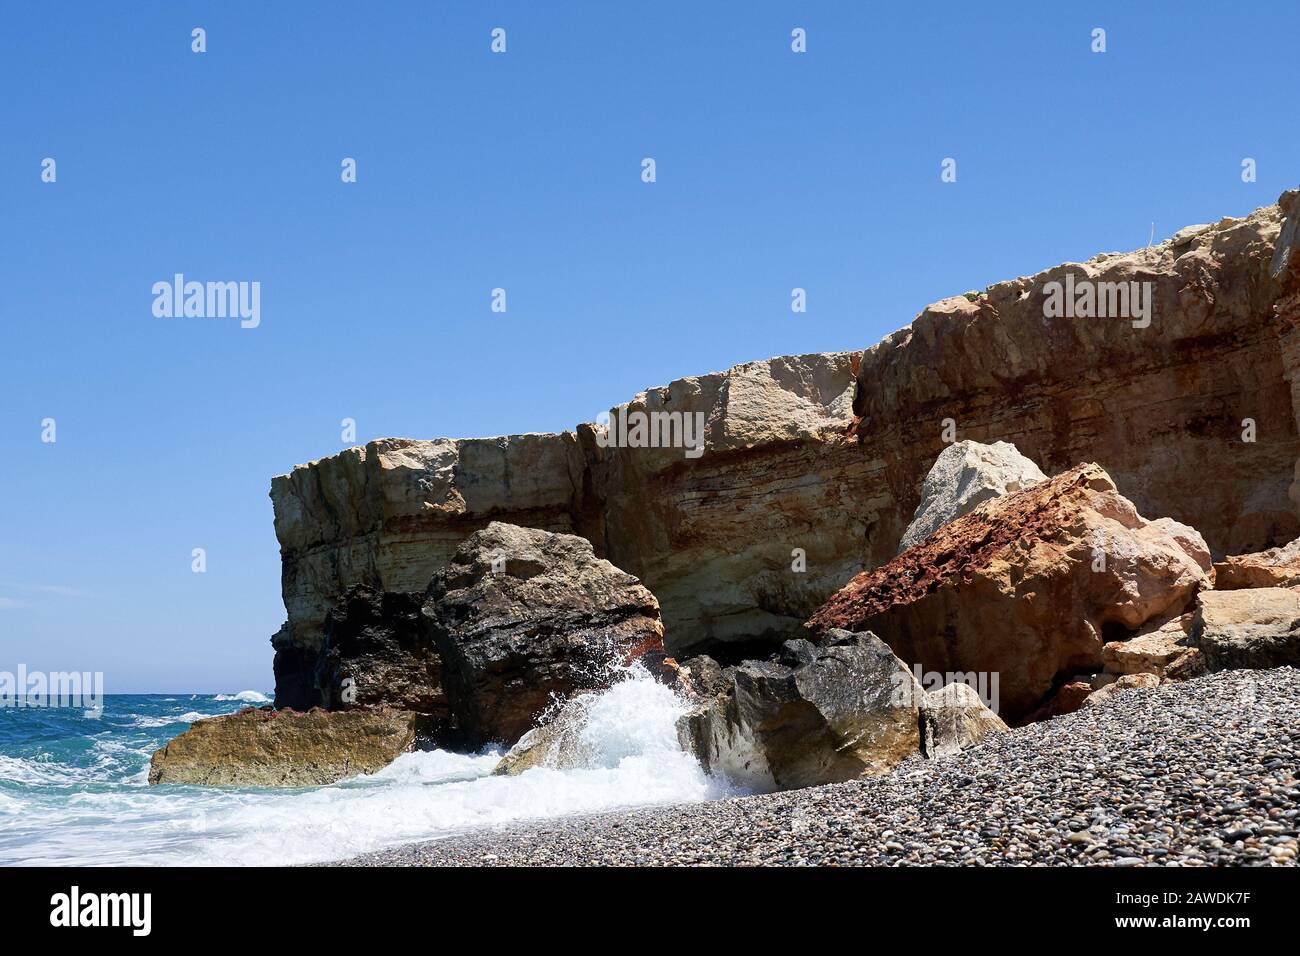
(74, 788)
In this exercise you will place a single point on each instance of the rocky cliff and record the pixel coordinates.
(810, 467)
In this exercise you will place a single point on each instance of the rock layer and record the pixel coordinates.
(720, 538)
(1026, 586)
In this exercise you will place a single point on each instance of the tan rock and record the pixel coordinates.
(1127, 682)
(954, 718)
(1151, 650)
(269, 748)
(1250, 628)
(1024, 587)
(1274, 568)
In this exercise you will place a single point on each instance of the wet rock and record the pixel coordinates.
(521, 617)
(285, 748)
(376, 651)
(557, 743)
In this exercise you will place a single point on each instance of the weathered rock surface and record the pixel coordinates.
(967, 474)
(813, 715)
(1274, 568)
(1126, 682)
(713, 536)
(521, 617)
(1151, 650)
(953, 719)
(376, 651)
(1252, 628)
(269, 748)
(1027, 586)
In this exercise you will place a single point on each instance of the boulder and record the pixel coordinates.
(964, 475)
(814, 714)
(1126, 682)
(1250, 628)
(521, 617)
(262, 747)
(1028, 586)
(1151, 649)
(376, 651)
(1189, 666)
(1274, 568)
(954, 718)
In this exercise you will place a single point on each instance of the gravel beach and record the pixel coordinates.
(1194, 774)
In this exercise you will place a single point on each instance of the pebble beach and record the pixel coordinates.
(1187, 774)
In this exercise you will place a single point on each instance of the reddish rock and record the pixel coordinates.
(1026, 586)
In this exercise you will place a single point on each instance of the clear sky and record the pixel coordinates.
(522, 171)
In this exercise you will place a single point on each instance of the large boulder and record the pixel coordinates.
(1251, 628)
(376, 651)
(966, 474)
(1274, 568)
(954, 718)
(1028, 586)
(521, 617)
(812, 715)
(262, 747)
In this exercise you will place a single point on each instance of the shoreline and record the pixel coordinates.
(1189, 774)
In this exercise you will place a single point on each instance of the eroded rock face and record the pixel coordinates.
(1251, 628)
(1274, 568)
(269, 748)
(712, 536)
(521, 617)
(813, 715)
(954, 719)
(376, 651)
(966, 474)
(1026, 586)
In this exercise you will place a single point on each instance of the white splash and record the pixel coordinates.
(634, 760)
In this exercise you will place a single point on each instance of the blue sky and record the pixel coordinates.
(521, 171)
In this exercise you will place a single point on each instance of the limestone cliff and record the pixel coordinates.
(826, 453)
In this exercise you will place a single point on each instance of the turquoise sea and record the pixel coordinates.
(74, 787)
